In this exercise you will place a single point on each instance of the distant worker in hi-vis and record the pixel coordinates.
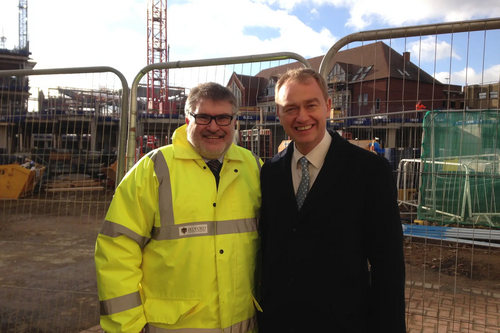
(419, 106)
(375, 146)
(178, 249)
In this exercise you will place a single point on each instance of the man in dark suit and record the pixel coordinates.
(332, 249)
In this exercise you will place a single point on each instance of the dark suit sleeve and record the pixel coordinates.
(384, 236)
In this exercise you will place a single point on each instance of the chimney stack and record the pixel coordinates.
(406, 56)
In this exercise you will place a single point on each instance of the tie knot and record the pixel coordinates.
(214, 165)
(304, 162)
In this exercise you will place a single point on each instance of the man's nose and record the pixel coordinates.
(213, 126)
(302, 115)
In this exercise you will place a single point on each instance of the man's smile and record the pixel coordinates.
(304, 128)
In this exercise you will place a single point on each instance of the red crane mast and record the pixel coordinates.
(157, 52)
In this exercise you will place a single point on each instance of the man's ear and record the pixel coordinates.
(328, 107)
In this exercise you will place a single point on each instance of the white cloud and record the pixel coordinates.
(9, 18)
(429, 50)
(398, 13)
(364, 13)
(469, 76)
(213, 33)
(90, 33)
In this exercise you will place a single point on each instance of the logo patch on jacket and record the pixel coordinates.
(193, 230)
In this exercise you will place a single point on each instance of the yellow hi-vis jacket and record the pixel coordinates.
(174, 252)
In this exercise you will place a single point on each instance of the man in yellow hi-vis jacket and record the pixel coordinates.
(178, 249)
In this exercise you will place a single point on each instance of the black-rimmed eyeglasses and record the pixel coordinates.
(205, 119)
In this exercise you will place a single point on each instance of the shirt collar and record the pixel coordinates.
(316, 156)
(221, 159)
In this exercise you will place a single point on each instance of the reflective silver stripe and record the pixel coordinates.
(121, 303)
(236, 226)
(164, 189)
(188, 230)
(241, 327)
(257, 159)
(114, 230)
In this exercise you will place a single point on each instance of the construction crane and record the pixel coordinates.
(23, 25)
(157, 85)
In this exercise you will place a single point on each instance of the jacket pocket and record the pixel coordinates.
(167, 311)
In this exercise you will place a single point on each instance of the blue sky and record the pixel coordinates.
(113, 32)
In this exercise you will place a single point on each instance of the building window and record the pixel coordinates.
(377, 104)
(403, 73)
(365, 72)
(365, 99)
(355, 77)
(237, 93)
(493, 94)
(270, 87)
(360, 99)
(336, 75)
(482, 95)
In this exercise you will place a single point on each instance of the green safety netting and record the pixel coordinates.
(460, 167)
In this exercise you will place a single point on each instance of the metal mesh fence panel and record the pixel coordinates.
(59, 139)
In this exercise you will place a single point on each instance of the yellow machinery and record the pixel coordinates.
(17, 181)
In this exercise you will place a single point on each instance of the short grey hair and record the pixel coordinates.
(209, 91)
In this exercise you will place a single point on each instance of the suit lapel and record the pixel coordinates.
(286, 167)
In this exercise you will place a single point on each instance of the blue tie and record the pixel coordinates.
(304, 182)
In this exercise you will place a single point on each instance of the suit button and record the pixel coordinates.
(294, 230)
(290, 283)
(221, 251)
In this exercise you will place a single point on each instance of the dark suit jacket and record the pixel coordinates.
(315, 276)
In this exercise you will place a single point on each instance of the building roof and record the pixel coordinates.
(385, 60)
(252, 82)
(276, 71)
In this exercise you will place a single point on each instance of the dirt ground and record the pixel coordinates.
(456, 268)
(47, 274)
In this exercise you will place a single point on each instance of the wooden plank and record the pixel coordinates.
(58, 185)
(85, 184)
(85, 181)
